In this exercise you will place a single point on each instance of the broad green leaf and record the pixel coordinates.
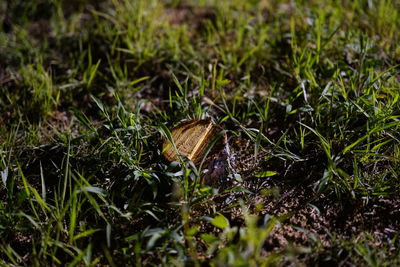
(208, 238)
(220, 222)
(266, 174)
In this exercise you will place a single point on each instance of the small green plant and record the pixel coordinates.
(308, 95)
(247, 249)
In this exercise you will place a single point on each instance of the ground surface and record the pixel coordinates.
(307, 91)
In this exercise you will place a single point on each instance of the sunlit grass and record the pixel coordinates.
(89, 90)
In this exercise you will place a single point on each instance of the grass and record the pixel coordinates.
(307, 91)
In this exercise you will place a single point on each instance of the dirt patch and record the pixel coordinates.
(323, 220)
(59, 122)
(40, 29)
(195, 17)
(308, 221)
